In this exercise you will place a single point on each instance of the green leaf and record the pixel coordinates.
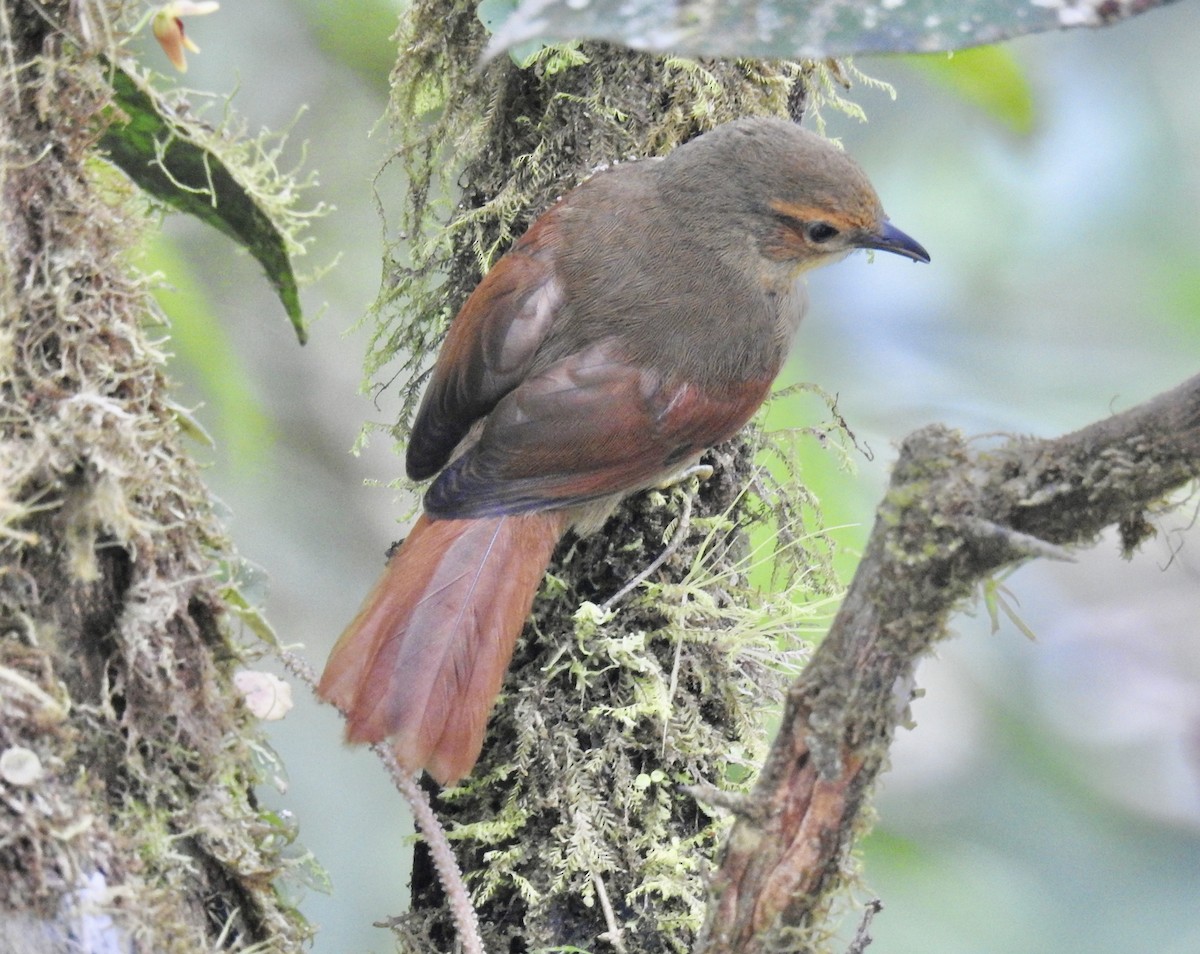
(801, 29)
(362, 42)
(988, 77)
(236, 415)
(174, 160)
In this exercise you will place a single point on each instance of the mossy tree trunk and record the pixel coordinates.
(127, 818)
(575, 829)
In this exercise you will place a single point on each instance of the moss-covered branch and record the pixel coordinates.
(954, 515)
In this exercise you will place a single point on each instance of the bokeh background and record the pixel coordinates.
(1049, 796)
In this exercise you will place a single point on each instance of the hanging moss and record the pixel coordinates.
(133, 812)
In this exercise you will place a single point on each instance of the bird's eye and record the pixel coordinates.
(819, 232)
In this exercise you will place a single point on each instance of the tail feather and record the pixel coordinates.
(422, 662)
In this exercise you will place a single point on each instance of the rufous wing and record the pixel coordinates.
(591, 426)
(489, 347)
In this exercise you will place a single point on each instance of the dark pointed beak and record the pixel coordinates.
(891, 239)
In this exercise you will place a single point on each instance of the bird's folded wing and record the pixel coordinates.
(590, 426)
(489, 347)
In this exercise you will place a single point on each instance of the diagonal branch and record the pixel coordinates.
(953, 515)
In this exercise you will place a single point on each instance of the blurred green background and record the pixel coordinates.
(1049, 797)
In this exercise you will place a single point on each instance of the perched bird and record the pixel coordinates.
(639, 321)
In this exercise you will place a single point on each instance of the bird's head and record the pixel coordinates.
(793, 197)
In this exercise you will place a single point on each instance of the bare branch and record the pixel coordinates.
(952, 516)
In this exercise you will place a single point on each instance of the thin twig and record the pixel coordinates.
(299, 667)
(449, 874)
(677, 538)
(862, 937)
(458, 897)
(613, 935)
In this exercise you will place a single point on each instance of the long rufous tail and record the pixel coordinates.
(422, 662)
